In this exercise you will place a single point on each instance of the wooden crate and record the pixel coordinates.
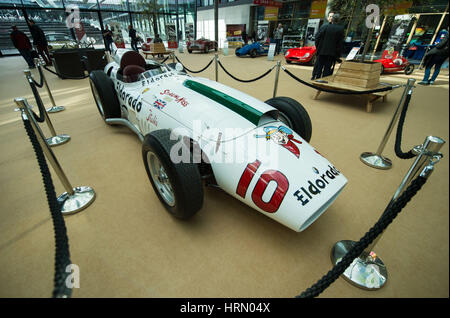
(359, 74)
(157, 47)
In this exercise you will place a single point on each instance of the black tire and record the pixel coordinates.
(382, 69)
(288, 61)
(184, 178)
(409, 69)
(190, 51)
(104, 95)
(298, 118)
(253, 53)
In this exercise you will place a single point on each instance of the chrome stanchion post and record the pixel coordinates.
(74, 199)
(277, 75)
(377, 160)
(216, 57)
(55, 139)
(368, 271)
(54, 108)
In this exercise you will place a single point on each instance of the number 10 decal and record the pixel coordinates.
(269, 175)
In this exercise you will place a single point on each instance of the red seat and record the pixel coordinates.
(132, 58)
(132, 64)
(131, 73)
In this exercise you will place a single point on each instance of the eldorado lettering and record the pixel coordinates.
(307, 192)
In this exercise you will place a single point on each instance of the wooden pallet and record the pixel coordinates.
(370, 98)
(366, 74)
(156, 49)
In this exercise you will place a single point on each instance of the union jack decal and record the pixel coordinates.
(159, 103)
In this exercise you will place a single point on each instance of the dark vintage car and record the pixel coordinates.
(202, 45)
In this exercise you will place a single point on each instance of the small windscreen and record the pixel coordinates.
(153, 72)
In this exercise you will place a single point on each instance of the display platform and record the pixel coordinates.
(126, 245)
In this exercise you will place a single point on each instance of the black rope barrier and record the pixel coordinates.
(245, 81)
(343, 92)
(41, 81)
(41, 117)
(194, 71)
(388, 216)
(398, 138)
(59, 74)
(62, 254)
(163, 61)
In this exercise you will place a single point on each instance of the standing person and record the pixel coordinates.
(245, 37)
(40, 42)
(157, 39)
(278, 36)
(435, 57)
(23, 44)
(253, 36)
(107, 35)
(329, 43)
(133, 37)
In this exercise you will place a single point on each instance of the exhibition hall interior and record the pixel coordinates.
(224, 149)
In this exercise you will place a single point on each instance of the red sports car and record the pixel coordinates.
(302, 55)
(391, 62)
(202, 45)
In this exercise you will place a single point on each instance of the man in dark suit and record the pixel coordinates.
(23, 44)
(40, 42)
(329, 44)
(133, 38)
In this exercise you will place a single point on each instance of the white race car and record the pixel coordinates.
(197, 131)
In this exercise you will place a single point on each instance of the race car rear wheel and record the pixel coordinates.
(409, 69)
(177, 185)
(294, 115)
(105, 95)
(253, 53)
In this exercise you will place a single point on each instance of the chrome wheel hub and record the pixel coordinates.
(160, 179)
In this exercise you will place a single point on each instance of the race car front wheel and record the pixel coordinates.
(293, 114)
(253, 53)
(105, 95)
(409, 69)
(177, 185)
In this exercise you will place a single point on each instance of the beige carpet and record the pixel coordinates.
(127, 245)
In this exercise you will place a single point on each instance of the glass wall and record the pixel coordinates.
(91, 25)
(9, 18)
(10, 2)
(143, 25)
(118, 23)
(82, 4)
(118, 5)
(53, 23)
(167, 17)
(50, 4)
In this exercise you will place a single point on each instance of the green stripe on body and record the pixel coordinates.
(241, 108)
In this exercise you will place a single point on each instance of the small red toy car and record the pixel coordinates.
(392, 62)
(202, 45)
(302, 55)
